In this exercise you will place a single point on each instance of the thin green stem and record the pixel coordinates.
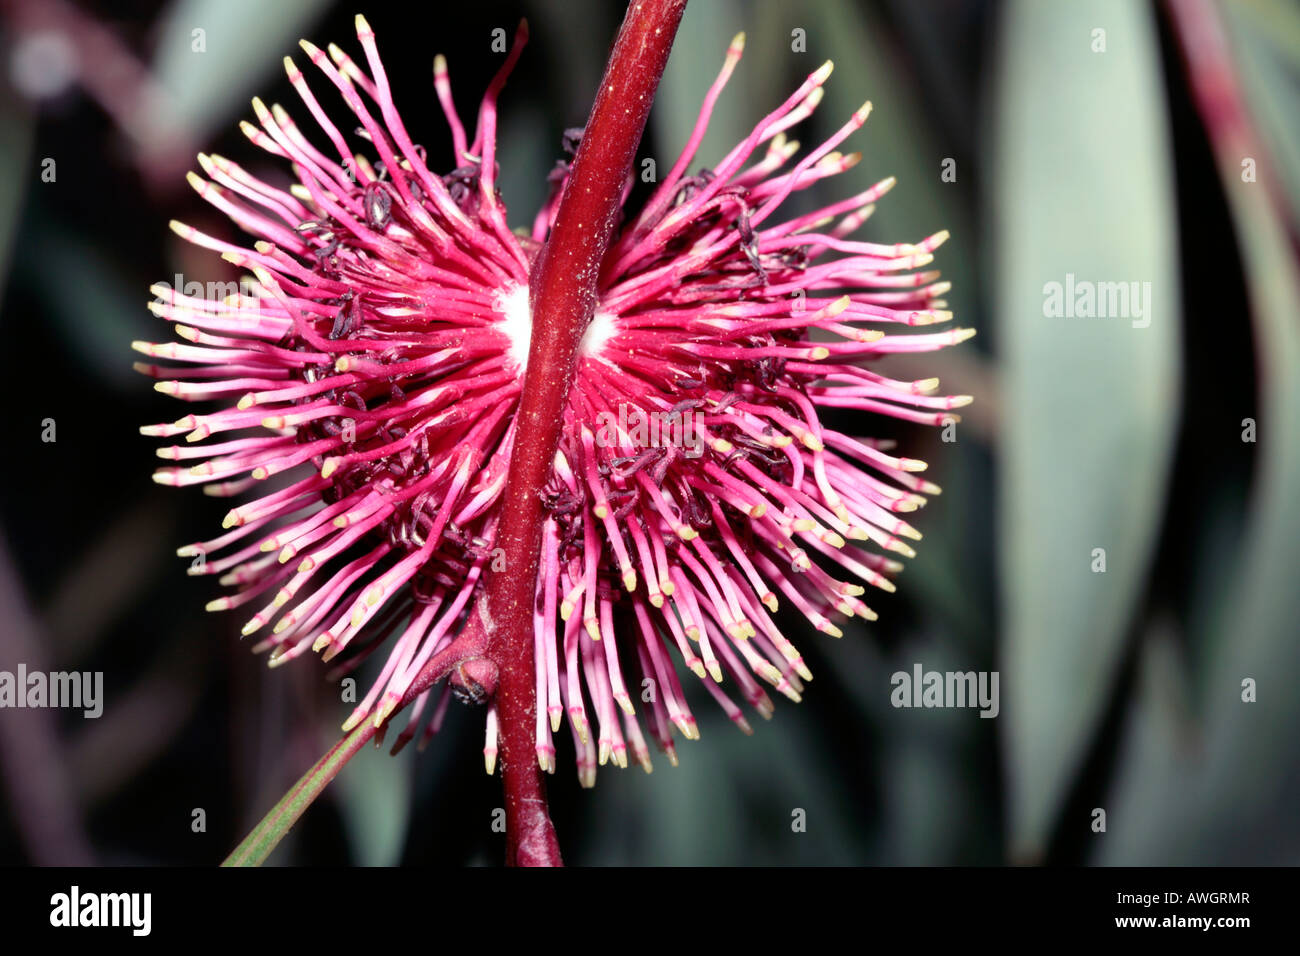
(275, 826)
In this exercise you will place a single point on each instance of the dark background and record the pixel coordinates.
(1119, 691)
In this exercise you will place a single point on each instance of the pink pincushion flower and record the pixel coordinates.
(371, 384)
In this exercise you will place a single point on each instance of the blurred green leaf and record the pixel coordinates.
(375, 799)
(1274, 23)
(1083, 185)
(243, 42)
(525, 139)
(100, 313)
(1267, 57)
(1251, 757)
(730, 801)
(15, 154)
(697, 55)
(1236, 792)
(896, 141)
(1158, 744)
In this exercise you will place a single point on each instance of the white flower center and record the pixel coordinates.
(517, 324)
(512, 303)
(598, 333)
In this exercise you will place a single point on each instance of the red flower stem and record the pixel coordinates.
(563, 298)
(499, 634)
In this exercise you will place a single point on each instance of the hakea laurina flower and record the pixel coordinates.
(371, 383)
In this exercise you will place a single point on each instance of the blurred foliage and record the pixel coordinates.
(204, 91)
(1085, 455)
(1120, 690)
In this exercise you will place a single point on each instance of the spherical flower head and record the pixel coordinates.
(369, 379)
